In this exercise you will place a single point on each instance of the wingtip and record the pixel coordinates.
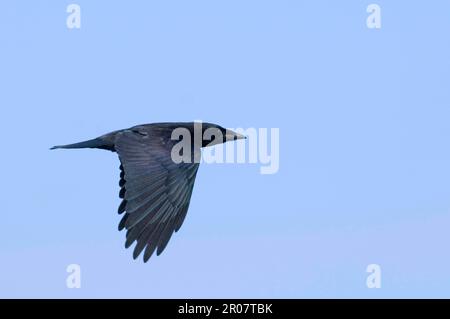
(135, 256)
(128, 244)
(146, 258)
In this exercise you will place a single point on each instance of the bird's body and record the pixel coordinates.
(155, 188)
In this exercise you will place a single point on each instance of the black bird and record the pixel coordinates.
(156, 190)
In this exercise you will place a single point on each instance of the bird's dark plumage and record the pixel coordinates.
(155, 190)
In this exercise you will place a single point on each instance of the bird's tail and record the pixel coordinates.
(94, 143)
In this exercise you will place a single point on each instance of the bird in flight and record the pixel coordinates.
(157, 175)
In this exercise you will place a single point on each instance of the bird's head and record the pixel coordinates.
(214, 134)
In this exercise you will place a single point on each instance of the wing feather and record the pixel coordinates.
(156, 191)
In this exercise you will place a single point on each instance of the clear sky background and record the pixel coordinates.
(364, 156)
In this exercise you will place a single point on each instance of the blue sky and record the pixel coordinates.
(364, 160)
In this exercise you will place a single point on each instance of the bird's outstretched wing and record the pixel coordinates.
(156, 191)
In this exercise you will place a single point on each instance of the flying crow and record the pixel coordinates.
(158, 166)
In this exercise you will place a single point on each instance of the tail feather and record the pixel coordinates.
(94, 143)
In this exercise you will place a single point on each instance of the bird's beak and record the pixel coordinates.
(233, 136)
